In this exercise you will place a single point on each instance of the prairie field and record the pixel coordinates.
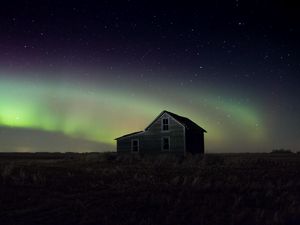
(105, 188)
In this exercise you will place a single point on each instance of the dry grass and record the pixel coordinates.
(109, 189)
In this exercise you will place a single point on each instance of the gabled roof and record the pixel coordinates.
(187, 123)
(129, 134)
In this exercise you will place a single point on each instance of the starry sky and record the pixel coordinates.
(74, 75)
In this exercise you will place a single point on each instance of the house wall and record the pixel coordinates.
(124, 144)
(194, 141)
(150, 141)
(153, 136)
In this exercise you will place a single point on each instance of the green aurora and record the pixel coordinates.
(100, 112)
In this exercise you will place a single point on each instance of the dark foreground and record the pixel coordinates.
(105, 189)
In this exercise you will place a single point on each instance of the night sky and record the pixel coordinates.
(76, 75)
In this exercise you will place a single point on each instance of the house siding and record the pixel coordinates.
(153, 136)
(124, 144)
(150, 141)
(194, 141)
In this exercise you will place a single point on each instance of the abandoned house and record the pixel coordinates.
(168, 133)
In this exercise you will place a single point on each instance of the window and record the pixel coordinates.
(165, 144)
(165, 124)
(135, 145)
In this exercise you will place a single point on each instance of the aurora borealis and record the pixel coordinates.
(112, 71)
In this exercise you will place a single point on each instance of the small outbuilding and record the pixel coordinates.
(168, 133)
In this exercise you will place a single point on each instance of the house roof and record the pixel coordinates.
(186, 122)
(129, 134)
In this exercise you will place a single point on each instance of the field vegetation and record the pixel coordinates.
(109, 189)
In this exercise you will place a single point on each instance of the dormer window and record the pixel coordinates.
(165, 124)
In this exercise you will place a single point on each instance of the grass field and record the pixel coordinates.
(108, 189)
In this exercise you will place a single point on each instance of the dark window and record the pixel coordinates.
(135, 145)
(165, 124)
(166, 144)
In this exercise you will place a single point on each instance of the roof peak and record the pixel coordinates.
(186, 122)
